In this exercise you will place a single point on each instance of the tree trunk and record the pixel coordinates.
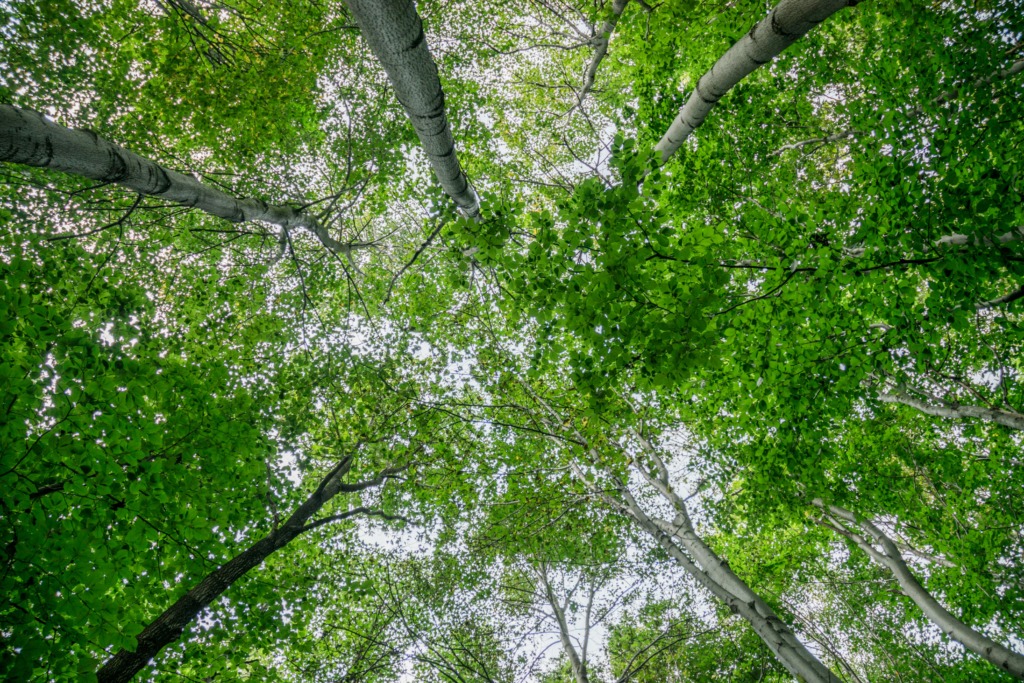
(715, 575)
(578, 664)
(394, 32)
(169, 626)
(955, 410)
(890, 557)
(26, 137)
(604, 34)
(783, 26)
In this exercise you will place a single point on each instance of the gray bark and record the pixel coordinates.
(955, 410)
(577, 663)
(684, 545)
(681, 541)
(1015, 235)
(27, 137)
(783, 26)
(604, 34)
(889, 557)
(394, 32)
(723, 583)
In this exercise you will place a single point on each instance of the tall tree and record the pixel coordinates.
(394, 32)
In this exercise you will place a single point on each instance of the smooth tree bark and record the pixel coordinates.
(169, 626)
(577, 663)
(682, 543)
(1015, 235)
(394, 32)
(27, 137)
(877, 544)
(942, 408)
(604, 34)
(783, 26)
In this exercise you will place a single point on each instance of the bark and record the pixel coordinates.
(169, 626)
(681, 542)
(579, 666)
(394, 32)
(955, 410)
(1015, 235)
(999, 301)
(723, 583)
(27, 137)
(889, 556)
(604, 34)
(715, 574)
(783, 26)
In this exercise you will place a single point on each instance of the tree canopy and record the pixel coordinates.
(558, 341)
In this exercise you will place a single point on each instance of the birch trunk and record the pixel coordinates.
(715, 574)
(394, 32)
(955, 410)
(890, 557)
(26, 137)
(578, 664)
(604, 34)
(783, 26)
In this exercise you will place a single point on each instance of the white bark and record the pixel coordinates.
(718, 577)
(955, 410)
(889, 556)
(394, 32)
(714, 573)
(27, 137)
(1015, 235)
(783, 26)
(578, 664)
(681, 542)
(601, 46)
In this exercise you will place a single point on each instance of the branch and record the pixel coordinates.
(27, 137)
(1005, 299)
(954, 410)
(361, 510)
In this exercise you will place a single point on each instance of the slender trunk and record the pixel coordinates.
(783, 26)
(1015, 235)
(169, 626)
(890, 557)
(578, 665)
(955, 410)
(394, 32)
(604, 34)
(27, 137)
(715, 574)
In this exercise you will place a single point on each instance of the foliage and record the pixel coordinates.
(815, 302)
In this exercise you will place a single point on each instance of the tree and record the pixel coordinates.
(776, 371)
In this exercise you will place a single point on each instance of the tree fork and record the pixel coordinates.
(170, 625)
(890, 557)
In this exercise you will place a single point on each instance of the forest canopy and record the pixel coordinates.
(563, 341)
